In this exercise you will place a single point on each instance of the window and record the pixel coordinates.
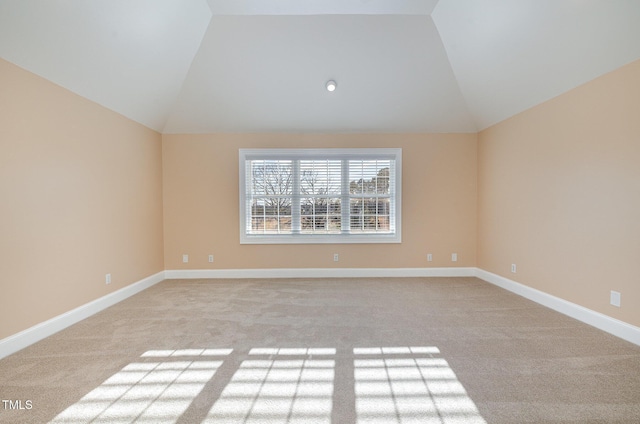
(320, 195)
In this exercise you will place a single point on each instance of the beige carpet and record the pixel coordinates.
(405, 350)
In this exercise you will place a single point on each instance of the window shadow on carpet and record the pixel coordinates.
(385, 385)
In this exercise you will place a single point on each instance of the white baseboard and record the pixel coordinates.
(45, 329)
(603, 322)
(320, 273)
(40, 331)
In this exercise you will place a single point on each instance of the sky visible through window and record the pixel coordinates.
(319, 186)
(320, 195)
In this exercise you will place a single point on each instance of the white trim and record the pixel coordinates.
(47, 328)
(335, 238)
(601, 321)
(342, 154)
(320, 273)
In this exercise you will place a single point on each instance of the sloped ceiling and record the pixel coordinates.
(198, 66)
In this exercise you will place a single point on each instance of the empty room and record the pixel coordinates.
(323, 212)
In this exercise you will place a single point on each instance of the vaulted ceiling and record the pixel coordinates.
(201, 66)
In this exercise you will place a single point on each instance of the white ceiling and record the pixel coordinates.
(200, 66)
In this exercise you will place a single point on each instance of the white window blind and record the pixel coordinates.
(320, 195)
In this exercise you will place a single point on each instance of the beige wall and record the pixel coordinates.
(559, 195)
(555, 190)
(81, 196)
(201, 214)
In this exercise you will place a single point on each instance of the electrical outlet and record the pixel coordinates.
(210, 258)
(454, 257)
(513, 268)
(335, 257)
(615, 298)
(107, 279)
(185, 258)
(429, 257)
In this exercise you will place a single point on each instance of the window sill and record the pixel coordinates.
(320, 239)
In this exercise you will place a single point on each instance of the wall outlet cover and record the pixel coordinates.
(615, 298)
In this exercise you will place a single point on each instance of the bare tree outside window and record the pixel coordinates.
(369, 196)
(320, 190)
(272, 185)
(320, 195)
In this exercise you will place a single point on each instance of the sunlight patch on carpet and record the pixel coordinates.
(409, 389)
(271, 385)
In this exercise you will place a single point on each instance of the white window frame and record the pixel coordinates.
(395, 154)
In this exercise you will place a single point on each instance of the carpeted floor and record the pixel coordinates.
(403, 350)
